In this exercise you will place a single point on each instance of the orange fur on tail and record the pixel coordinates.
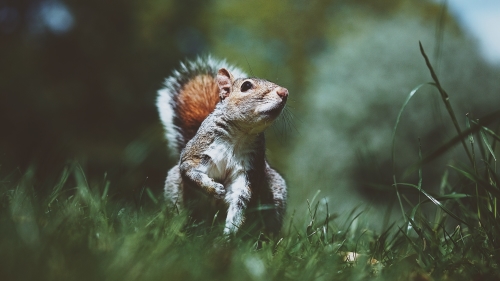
(189, 96)
(196, 100)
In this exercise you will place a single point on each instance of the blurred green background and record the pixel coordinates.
(78, 82)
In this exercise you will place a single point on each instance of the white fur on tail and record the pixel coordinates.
(174, 83)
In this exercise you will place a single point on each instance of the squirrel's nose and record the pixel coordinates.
(282, 92)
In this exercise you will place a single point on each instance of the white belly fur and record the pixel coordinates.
(228, 164)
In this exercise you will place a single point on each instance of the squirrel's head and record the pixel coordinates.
(252, 103)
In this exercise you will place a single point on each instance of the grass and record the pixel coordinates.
(78, 233)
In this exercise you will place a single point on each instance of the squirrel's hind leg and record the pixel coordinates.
(173, 189)
(274, 219)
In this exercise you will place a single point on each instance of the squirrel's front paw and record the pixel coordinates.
(219, 191)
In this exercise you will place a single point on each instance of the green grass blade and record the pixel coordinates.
(437, 203)
(474, 165)
(398, 118)
(490, 188)
(487, 144)
(491, 133)
(488, 119)
(445, 98)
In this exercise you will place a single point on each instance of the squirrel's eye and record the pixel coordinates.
(247, 85)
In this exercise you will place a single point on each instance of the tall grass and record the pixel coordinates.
(78, 233)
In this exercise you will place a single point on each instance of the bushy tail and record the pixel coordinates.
(189, 96)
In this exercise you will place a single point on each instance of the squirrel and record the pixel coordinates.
(215, 119)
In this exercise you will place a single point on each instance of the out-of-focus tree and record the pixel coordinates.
(361, 82)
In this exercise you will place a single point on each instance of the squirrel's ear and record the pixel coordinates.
(224, 81)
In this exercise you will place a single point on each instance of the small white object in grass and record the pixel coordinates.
(255, 267)
(353, 257)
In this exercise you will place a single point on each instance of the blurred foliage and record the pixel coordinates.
(361, 80)
(78, 82)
